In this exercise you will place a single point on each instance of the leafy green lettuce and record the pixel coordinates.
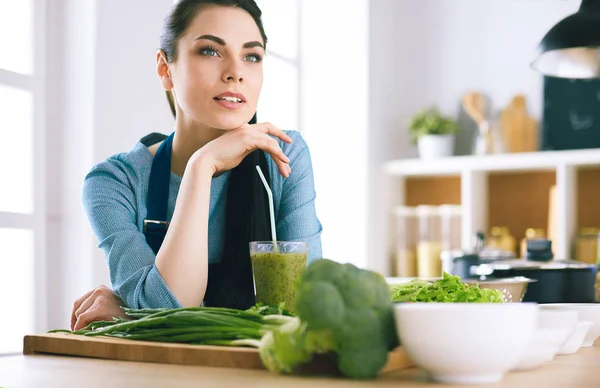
(448, 289)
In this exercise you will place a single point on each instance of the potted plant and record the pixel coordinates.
(433, 133)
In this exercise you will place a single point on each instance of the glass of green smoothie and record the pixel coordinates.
(276, 266)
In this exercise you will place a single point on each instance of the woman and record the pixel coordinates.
(174, 215)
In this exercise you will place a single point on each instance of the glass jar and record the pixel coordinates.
(501, 239)
(450, 226)
(429, 247)
(586, 245)
(407, 228)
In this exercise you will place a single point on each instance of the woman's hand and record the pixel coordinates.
(228, 150)
(99, 304)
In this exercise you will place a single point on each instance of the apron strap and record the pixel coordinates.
(155, 224)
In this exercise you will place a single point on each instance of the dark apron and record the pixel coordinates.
(156, 224)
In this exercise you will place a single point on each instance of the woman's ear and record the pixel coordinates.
(162, 69)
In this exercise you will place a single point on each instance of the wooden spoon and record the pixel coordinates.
(474, 104)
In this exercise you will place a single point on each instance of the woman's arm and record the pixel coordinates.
(297, 217)
(182, 259)
(172, 278)
(178, 274)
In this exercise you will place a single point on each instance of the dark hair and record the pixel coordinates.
(230, 282)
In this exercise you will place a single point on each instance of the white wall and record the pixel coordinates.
(103, 95)
(334, 93)
(433, 51)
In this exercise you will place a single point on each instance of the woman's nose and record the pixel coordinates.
(233, 72)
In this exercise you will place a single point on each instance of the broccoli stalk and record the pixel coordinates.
(341, 310)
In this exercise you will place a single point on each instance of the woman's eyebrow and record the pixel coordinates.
(215, 39)
(221, 42)
(253, 44)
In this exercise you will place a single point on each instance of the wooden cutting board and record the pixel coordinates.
(518, 129)
(166, 353)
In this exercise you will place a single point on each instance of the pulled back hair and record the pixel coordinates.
(230, 282)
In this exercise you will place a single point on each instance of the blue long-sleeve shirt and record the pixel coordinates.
(114, 198)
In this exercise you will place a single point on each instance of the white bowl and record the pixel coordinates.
(545, 345)
(563, 320)
(576, 339)
(587, 312)
(466, 343)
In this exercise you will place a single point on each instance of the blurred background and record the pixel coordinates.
(78, 84)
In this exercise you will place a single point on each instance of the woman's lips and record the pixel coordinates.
(230, 100)
(230, 104)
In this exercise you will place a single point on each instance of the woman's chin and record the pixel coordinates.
(230, 123)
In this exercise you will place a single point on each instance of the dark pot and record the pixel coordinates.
(558, 281)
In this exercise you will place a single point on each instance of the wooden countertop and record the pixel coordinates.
(577, 370)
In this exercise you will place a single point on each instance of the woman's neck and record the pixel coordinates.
(189, 137)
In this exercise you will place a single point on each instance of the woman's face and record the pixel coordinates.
(218, 73)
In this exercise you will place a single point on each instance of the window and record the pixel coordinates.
(279, 101)
(21, 194)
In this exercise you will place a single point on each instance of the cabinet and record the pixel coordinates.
(512, 190)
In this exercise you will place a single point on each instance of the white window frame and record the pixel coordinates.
(36, 221)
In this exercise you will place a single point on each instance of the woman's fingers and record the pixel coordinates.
(100, 296)
(91, 315)
(271, 146)
(270, 129)
(85, 306)
(229, 150)
(78, 304)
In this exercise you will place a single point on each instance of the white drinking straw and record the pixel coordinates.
(270, 195)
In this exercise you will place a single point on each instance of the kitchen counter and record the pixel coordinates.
(577, 370)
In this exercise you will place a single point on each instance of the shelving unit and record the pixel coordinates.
(507, 190)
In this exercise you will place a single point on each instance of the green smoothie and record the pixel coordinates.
(275, 276)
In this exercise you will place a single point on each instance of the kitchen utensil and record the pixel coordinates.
(513, 289)
(586, 312)
(183, 354)
(270, 196)
(545, 345)
(489, 139)
(431, 333)
(565, 320)
(475, 106)
(575, 340)
(558, 281)
(519, 130)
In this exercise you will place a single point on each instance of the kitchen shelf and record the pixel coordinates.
(529, 161)
(505, 190)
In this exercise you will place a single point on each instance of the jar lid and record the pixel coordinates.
(450, 209)
(496, 231)
(405, 211)
(535, 233)
(588, 231)
(425, 210)
(529, 265)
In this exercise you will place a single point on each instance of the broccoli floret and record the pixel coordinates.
(342, 310)
(283, 348)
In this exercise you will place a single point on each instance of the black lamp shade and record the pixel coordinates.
(571, 49)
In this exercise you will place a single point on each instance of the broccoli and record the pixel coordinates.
(341, 309)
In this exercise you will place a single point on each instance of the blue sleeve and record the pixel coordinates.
(109, 202)
(297, 217)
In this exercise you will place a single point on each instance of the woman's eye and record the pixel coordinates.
(253, 58)
(209, 52)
